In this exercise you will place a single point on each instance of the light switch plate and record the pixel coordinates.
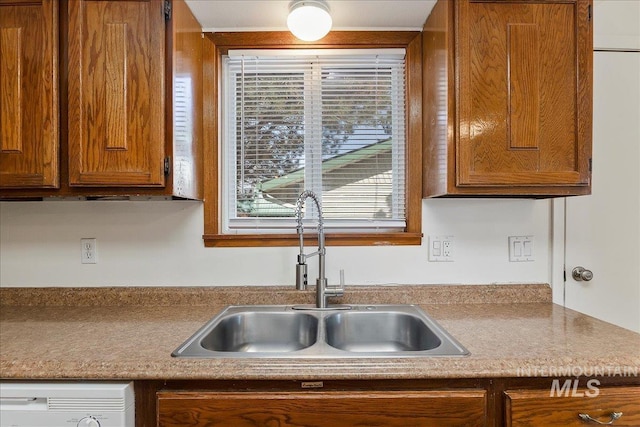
(521, 249)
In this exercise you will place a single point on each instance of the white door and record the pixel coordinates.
(603, 229)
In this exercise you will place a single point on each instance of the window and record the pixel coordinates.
(334, 121)
(330, 121)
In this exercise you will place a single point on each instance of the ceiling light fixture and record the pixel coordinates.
(309, 20)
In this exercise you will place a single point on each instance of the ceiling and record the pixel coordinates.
(271, 15)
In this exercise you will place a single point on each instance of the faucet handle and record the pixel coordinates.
(336, 290)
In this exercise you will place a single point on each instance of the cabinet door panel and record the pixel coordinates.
(116, 93)
(29, 94)
(523, 119)
(315, 409)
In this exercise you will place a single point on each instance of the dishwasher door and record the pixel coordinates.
(68, 404)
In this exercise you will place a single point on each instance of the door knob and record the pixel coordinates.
(582, 274)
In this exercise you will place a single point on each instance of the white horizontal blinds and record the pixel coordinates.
(333, 123)
(269, 134)
(360, 112)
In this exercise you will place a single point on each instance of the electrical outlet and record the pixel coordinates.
(441, 249)
(521, 248)
(88, 251)
(447, 248)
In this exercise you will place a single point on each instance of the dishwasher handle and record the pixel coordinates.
(31, 403)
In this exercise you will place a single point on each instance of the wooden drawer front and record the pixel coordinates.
(538, 408)
(336, 409)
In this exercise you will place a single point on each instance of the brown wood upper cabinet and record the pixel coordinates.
(131, 120)
(508, 98)
(29, 138)
(116, 93)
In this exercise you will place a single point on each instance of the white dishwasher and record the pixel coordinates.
(69, 404)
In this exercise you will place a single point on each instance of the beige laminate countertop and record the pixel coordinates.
(129, 333)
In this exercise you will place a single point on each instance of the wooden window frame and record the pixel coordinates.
(218, 44)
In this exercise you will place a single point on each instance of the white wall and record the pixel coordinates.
(159, 243)
(616, 24)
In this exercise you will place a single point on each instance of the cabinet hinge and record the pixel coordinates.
(167, 10)
(590, 165)
(167, 166)
(589, 15)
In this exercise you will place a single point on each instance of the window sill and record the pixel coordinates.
(333, 239)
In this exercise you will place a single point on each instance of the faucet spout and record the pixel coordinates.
(322, 290)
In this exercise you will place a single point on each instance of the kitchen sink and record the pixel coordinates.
(258, 331)
(385, 331)
(305, 332)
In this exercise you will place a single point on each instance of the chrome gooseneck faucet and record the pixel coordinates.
(323, 291)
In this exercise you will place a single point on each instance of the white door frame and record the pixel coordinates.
(558, 249)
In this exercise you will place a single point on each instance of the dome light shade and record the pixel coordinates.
(309, 20)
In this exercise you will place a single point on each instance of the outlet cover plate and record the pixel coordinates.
(88, 251)
(441, 249)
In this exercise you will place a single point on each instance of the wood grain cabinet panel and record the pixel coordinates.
(131, 121)
(116, 93)
(508, 98)
(29, 135)
(315, 409)
(525, 408)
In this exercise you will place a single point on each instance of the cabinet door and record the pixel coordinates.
(524, 94)
(29, 94)
(116, 93)
(539, 408)
(316, 409)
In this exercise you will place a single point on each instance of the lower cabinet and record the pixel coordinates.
(491, 402)
(335, 408)
(565, 406)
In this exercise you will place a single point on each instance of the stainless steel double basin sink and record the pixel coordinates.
(304, 332)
